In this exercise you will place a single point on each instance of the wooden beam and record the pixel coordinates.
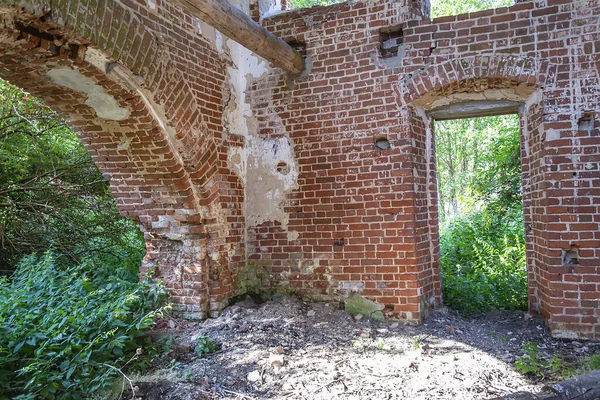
(236, 25)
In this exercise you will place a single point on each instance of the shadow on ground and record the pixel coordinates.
(290, 349)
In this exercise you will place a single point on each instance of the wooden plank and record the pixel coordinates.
(236, 25)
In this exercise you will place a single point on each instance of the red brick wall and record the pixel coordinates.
(348, 192)
(358, 219)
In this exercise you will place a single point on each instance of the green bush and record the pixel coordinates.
(482, 259)
(64, 329)
(312, 3)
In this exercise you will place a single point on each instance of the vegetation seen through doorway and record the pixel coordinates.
(482, 249)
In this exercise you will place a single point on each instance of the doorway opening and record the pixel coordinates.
(480, 210)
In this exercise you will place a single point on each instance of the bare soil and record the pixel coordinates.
(290, 349)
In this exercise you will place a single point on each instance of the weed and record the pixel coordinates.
(380, 344)
(206, 345)
(532, 363)
(187, 375)
(589, 364)
(594, 362)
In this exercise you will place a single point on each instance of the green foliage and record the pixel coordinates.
(65, 329)
(205, 346)
(440, 8)
(51, 193)
(593, 363)
(482, 258)
(312, 3)
(532, 363)
(588, 364)
(482, 249)
(478, 162)
(72, 318)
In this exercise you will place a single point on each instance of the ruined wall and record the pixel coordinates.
(363, 219)
(165, 153)
(245, 179)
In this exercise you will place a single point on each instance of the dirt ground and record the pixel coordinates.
(290, 349)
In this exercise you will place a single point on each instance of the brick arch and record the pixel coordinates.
(473, 74)
(164, 165)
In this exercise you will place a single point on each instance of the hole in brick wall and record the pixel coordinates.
(570, 257)
(283, 168)
(382, 143)
(586, 123)
(390, 39)
(339, 243)
(298, 45)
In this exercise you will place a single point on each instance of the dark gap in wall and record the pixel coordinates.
(298, 45)
(390, 40)
(570, 257)
(586, 122)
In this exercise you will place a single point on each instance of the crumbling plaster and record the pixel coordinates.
(106, 107)
(265, 165)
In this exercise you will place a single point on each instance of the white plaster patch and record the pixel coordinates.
(238, 114)
(97, 59)
(152, 5)
(269, 8)
(219, 41)
(236, 157)
(266, 166)
(106, 106)
(560, 334)
(552, 134)
(271, 173)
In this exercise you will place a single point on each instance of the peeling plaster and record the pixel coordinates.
(268, 8)
(266, 188)
(266, 166)
(106, 106)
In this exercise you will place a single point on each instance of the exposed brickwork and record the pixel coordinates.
(209, 125)
(382, 204)
(172, 181)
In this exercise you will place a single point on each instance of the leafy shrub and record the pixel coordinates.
(312, 3)
(588, 364)
(482, 246)
(64, 329)
(482, 259)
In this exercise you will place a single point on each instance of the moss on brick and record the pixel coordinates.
(357, 304)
